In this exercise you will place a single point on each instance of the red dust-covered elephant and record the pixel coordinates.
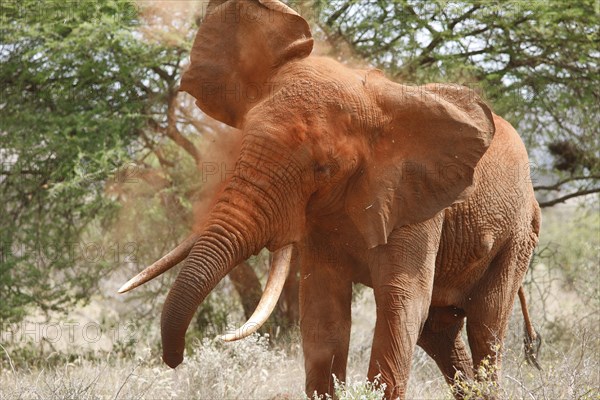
(417, 192)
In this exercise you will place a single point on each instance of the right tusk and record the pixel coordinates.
(280, 267)
(167, 262)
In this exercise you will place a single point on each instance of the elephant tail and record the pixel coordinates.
(532, 339)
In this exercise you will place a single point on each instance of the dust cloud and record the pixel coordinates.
(174, 23)
(219, 156)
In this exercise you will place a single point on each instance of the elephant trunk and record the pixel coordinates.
(220, 247)
(242, 222)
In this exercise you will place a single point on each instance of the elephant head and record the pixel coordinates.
(319, 139)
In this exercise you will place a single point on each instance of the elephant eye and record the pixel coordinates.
(327, 170)
(321, 168)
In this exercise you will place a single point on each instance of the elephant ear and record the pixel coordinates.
(238, 48)
(422, 155)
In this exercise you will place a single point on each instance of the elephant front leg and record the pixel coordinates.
(399, 321)
(402, 272)
(325, 320)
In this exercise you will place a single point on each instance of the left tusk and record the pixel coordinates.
(167, 262)
(280, 267)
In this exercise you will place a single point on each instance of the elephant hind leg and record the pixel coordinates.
(441, 339)
(489, 309)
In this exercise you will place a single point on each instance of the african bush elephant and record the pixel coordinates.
(421, 193)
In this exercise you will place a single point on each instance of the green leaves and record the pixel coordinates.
(72, 105)
(537, 62)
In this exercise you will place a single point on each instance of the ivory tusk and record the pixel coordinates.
(167, 262)
(280, 267)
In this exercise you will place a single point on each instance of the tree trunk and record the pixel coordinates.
(247, 285)
(288, 310)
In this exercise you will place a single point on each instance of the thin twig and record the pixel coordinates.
(12, 366)
(125, 381)
(557, 185)
(522, 386)
(562, 199)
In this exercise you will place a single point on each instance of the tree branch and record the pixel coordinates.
(200, 127)
(424, 24)
(173, 132)
(157, 152)
(464, 16)
(564, 198)
(163, 74)
(557, 185)
(333, 17)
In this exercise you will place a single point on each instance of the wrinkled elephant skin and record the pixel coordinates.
(420, 192)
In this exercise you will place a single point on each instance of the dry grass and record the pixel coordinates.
(242, 370)
(253, 369)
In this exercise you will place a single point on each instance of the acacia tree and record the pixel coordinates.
(90, 108)
(68, 114)
(87, 111)
(95, 142)
(536, 61)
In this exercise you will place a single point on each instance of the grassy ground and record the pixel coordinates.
(97, 358)
(254, 369)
